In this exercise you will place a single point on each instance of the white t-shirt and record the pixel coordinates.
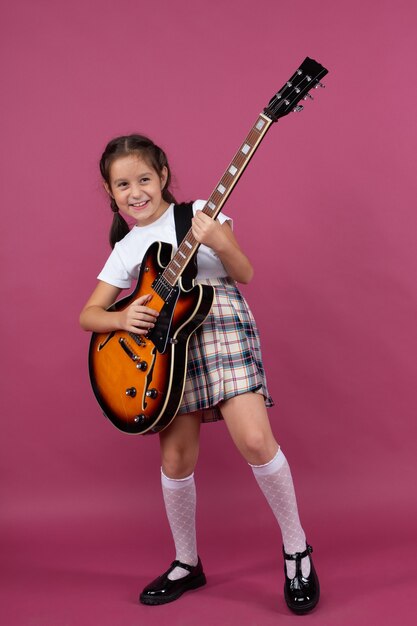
(123, 264)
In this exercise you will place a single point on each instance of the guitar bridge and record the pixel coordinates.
(123, 343)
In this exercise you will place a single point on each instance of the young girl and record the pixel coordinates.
(225, 377)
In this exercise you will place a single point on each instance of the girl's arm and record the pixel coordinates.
(220, 238)
(136, 318)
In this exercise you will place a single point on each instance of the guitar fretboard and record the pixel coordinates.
(214, 204)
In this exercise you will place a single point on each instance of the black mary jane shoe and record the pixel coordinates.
(301, 594)
(163, 590)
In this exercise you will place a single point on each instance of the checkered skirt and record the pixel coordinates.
(224, 355)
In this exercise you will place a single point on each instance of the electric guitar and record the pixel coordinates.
(139, 380)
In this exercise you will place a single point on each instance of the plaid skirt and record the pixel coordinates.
(224, 355)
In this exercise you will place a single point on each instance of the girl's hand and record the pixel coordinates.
(220, 238)
(208, 231)
(137, 317)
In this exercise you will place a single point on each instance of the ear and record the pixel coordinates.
(164, 177)
(107, 189)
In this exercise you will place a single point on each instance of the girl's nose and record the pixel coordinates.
(135, 191)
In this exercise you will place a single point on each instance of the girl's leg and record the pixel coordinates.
(179, 452)
(248, 424)
(180, 446)
(247, 421)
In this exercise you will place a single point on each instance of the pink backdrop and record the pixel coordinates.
(325, 211)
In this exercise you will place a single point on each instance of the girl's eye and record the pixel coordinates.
(144, 180)
(123, 184)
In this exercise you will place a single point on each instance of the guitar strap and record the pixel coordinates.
(183, 214)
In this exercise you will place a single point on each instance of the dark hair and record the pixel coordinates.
(147, 150)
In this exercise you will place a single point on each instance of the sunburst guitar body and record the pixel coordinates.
(139, 380)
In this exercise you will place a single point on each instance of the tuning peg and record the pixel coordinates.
(319, 85)
(298, 108)
(308, 96)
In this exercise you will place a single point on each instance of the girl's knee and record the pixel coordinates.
(254, 442)
(257, 447)
(178, 463)
(180, 446)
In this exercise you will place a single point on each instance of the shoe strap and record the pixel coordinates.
(175, 564)
(297, 556)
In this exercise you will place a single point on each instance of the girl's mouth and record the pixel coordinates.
(139, 205)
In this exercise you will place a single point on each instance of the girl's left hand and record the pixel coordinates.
(207, 231)
(220, 238)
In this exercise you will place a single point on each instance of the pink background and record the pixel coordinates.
(326, 211)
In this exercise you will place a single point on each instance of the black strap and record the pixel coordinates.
(174, 564)
(183, 214)
(297, 556)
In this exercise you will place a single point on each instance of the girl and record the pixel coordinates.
(225, 376)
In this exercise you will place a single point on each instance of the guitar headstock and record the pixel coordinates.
(297, 88)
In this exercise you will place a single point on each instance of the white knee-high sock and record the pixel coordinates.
(275, 480)
(180, 504)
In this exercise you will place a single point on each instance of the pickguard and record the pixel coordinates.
(159, 334)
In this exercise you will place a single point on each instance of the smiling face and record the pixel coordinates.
(137, 189)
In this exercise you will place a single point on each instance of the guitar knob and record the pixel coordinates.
(308, 96)
(140, 419)
(152, 393)
(131, 391)
(319, 85)
(142, 366)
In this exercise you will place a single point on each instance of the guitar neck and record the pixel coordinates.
(216, 201)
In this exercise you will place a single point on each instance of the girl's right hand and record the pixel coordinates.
(97, 315)
(137, 317)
